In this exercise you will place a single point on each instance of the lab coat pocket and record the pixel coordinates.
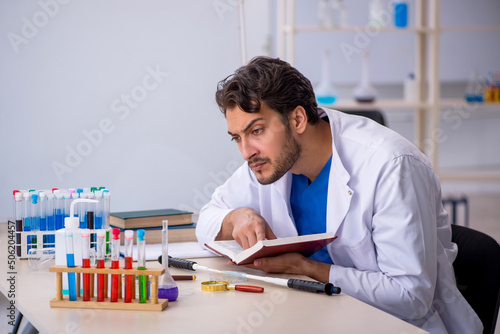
(362, 253)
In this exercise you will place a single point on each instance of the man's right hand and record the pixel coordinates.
(245, 226)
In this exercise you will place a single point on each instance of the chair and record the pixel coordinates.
(375, 115)
(477, 272)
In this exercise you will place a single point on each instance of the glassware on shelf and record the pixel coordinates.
(364, 92)
(475, 89)
(378, 14)
(400, 13)
(332, 14)
(324, 91)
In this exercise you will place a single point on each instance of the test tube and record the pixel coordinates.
(115, 264)
(18, 197)
(86, 263)
(129, 279)
(70, 259)
(91, 218)
(59, 210)
(141, 265)
(35, 219)
(27, 217)
(101, 249)
(105, 218)
(98, 210)
(42, 209)
(67, 203)
(49, 214)
(82, 212)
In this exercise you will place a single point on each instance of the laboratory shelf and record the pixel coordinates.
(313, 28)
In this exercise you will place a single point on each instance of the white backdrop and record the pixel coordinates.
(117, 94)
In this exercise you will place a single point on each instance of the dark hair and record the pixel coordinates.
(272, 81)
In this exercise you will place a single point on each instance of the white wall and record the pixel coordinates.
(72, 74)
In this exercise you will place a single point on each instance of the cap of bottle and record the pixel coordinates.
(140, 235)
(129, 234)
(116, 234)
(101, 233)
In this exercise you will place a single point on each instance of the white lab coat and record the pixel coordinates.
(394, 248)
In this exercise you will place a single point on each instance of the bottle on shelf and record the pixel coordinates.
(410, 88)
(400, 13)
(378, 15)
(474, 90)
(339, 13)
(332, 14)
(324, 91)
(364, 92)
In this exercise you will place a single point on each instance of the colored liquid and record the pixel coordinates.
(19, 228)
(129, 280)
(43, 227)
(86, 281)
(143, 287)
(59, 220)
(70, 258)
(326, 99)
(101, 284)
(27, 227)
(170, 292)
(115, 282)
(401, 15)
(98, 222)
(474, 98)
(51, 225)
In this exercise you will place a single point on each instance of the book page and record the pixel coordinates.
(230, 245)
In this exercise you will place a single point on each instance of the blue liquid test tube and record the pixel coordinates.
(59, 210)
(18, 198)
(67, 203)
(42, 210)
(27, 217)
(98, 210)
(82, 214)
(51, 221)
(70, 259)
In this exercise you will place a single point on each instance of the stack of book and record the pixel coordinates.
(180, 224)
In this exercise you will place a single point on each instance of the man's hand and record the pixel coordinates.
(245, 226)
(293, 263)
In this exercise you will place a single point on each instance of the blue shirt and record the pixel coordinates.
(308, 202)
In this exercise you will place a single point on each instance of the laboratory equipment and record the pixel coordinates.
(475, 88)
(400, 13)
(310, 286)
(101, 278)
(224, 286)
(324, 91)
(129, 279)
(115, 264)
(167, 289)
(364, 91)
(86, 263)
(141, 265)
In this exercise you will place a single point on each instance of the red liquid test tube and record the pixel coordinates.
(115, 264)
(86, 263)
(101, 248)
(129, 279)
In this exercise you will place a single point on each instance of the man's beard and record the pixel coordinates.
(290, 153)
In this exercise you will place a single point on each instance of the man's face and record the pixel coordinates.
(264, 141)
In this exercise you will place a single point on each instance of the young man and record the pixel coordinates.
(311, 170)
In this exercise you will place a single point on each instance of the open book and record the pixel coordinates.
(304, 244)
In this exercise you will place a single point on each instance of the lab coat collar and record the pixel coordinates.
(339, 193)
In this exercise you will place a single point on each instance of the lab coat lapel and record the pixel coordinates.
(339, 193)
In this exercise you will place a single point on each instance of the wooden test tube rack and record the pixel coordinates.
(152, 304)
